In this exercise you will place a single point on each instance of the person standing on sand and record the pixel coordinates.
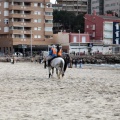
(12, 60)
(80, 63)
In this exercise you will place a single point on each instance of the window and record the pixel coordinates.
(48, 28)
(6, 21)
(74, 39)
(35, 36)
(117, 26)
(35, 4)
(6, 13)
(6, 5)
(117, 41)
(37, 12)
(35, 28)
(39, 28)
(39, 20)
(6, 29)
(39, 36)
(117, 33)
(35, 21)
(83, 39)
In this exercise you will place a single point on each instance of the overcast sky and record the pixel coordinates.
(53, 1)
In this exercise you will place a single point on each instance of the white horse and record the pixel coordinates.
(60, 65)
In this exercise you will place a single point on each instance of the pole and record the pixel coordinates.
(31, 43)
(79, 42)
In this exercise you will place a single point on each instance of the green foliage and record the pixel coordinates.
(109, 12)
(70, 22)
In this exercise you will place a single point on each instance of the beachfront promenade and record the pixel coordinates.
(90, 93)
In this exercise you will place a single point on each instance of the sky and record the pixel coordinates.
(52, 1)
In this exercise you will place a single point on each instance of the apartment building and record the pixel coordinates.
(77, 6)
(24, 23)
(98, 6)
(113, 5)
(104, 31)
(102, 6)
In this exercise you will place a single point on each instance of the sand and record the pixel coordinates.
(90, 93)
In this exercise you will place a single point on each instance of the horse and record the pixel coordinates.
(59, 63)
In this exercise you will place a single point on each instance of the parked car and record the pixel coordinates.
(18, 54)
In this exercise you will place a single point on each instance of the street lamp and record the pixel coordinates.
(31, 43)
(79, 42)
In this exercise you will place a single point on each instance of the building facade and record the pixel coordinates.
(113, 5)
(24, 23)
(73, 42)
(77, 6)
(97, 5)
(103, 30)
(102, 6)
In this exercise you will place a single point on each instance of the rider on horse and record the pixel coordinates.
(59, 51)
(52, 54)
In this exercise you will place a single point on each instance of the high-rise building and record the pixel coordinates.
(98, 6)
(112, 5)
(89, 7)
(102, 6)
(25, 22)
(77, 6)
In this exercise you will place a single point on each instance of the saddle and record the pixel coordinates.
(49, 61)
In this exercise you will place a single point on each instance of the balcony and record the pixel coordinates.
(20, 32)
(48, 9)
(16, 7)
(27, 31)
(48, 24)
(20, 23)
(17, 41)
(48, 33)
(15, 15)
(20, 7)
(20, 15)
(48, 17)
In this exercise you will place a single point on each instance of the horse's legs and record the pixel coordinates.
(59, 72)
(44, 64)
(49, 68)
(56, 71)
(52, 71)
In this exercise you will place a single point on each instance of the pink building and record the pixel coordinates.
(72, 42)
(79, 38)
(94, 25)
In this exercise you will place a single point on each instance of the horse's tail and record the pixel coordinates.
(65, 65)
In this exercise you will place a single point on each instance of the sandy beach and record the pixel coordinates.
(90, 93)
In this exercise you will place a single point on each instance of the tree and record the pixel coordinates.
(79, 23)
(70, 22)
(112, 12)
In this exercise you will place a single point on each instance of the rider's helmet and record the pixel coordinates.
(53, 46)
